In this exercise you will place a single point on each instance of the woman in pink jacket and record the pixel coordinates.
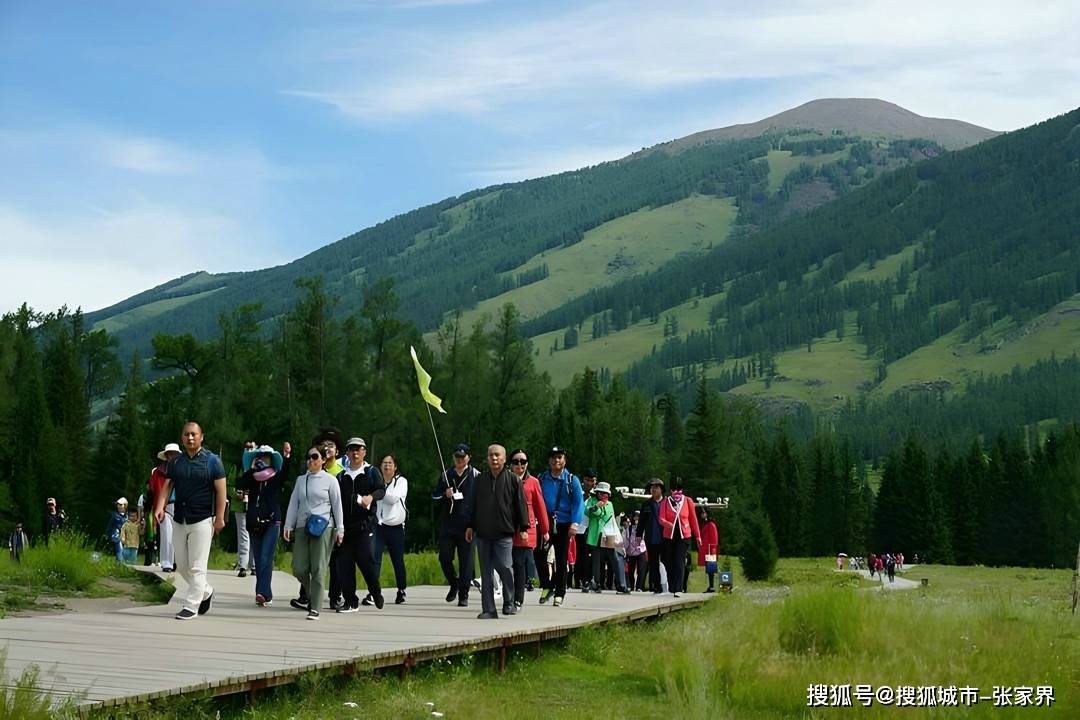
(538, 523)
(679, 521)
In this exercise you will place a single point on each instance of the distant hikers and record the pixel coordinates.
(498, 511)
(652, 532)
(131, 533)
(17, 542)
(392, 513)
(565, 503)
(54, 518)
(315, 517)
(539, 529)
(679, 520)
(156, 489)
(708, 549)
(265, 472)
(116, 523)
(452, 495)
(362, 488)
(198, 479)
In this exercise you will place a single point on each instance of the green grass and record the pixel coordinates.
(26, 698)
(618, 349)
(782, 163)
(631, 245)
(69, 567)
(142, 313)
(751, 654)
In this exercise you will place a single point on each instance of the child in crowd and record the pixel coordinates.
(130, 537)
(17, 543)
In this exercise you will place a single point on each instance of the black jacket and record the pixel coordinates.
(647, 521)
(497, 509)
(370, 482)
(454, 514)
(264, 498)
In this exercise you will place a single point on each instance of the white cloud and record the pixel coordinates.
(534, 164)
(104, 256)
(981, 53)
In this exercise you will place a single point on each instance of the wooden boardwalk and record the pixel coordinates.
(110, 658)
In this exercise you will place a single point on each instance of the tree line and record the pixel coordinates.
(805, 489)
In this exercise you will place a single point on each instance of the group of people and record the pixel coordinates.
(343, 514)
(53, 521)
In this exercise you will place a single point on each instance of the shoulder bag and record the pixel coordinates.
(316, 524)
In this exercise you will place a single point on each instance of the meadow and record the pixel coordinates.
(751, 654)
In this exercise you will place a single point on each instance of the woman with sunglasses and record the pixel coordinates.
(314, 516)
(390, 533)
(525, 542)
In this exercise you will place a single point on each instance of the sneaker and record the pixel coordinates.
(343, 608)
(675, 594)
(623, 591)
(710, 590)
(529, 587)
(268, 603)
(368, 601)
(546, 595)
(463, 602)
(400, 599)
(313, 615)
(297, 605)
(488, 616)
(452, 595)
(336, 605)
(596, 589)
(476, 583)
(558, 602)
(207, 603)
(379, 602)
(242, 573)
(517, 607)
(259, 600)
(187, 614)
(509, 610)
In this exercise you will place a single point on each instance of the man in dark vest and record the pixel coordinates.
(452, 495)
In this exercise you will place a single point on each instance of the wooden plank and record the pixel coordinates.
(239, 646)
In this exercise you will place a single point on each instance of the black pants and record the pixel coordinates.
(603, 562)
(450, 545)
(583, 567)
(635, 569)
(392, 539)
(150, 552)
(656, 554)
(521, 557)
(357, 550)
(676, 563)
(334, 584)
(555, 581)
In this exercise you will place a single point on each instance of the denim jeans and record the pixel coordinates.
(495, 556)
(263, 546)
(118, 550)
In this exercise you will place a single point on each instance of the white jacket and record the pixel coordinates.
(391, 509)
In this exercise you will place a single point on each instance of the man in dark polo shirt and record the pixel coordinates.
(198, 479)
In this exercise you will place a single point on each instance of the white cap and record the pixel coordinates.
(122, 501)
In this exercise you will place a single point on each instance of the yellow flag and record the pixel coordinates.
(425, 383)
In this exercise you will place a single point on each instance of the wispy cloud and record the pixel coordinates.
(609, 49)
(534, 164)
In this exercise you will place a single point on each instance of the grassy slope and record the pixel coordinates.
(144, 312)
(751, 654)
(782, 163)
(631, 245)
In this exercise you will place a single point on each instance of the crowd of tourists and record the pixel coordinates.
(551, 531)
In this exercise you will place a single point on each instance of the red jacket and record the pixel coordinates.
(155, 485)
(710, 542)
(538, 515)
(687, 517)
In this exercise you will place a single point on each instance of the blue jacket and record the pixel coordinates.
(563, 496)
(116, 521)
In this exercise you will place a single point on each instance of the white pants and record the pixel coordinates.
(192, 549)
(166, 530)
(243, 542)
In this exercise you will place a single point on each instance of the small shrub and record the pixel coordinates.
(758, 550)
(25, 698)
(820, 621)
(64, 564)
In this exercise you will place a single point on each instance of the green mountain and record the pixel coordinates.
(828, 253)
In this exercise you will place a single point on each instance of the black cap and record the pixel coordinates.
(590, 472)
(462, 449)
(556, 450)
(654, 481)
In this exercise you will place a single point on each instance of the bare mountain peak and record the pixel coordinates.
(867, 117)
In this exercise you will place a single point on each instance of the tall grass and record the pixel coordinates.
(66, 564)
(24, 697)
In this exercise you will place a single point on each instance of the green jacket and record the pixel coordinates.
(598, 518)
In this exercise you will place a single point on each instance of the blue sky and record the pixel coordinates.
(145, 140)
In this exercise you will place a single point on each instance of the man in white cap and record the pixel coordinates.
(165, 526)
